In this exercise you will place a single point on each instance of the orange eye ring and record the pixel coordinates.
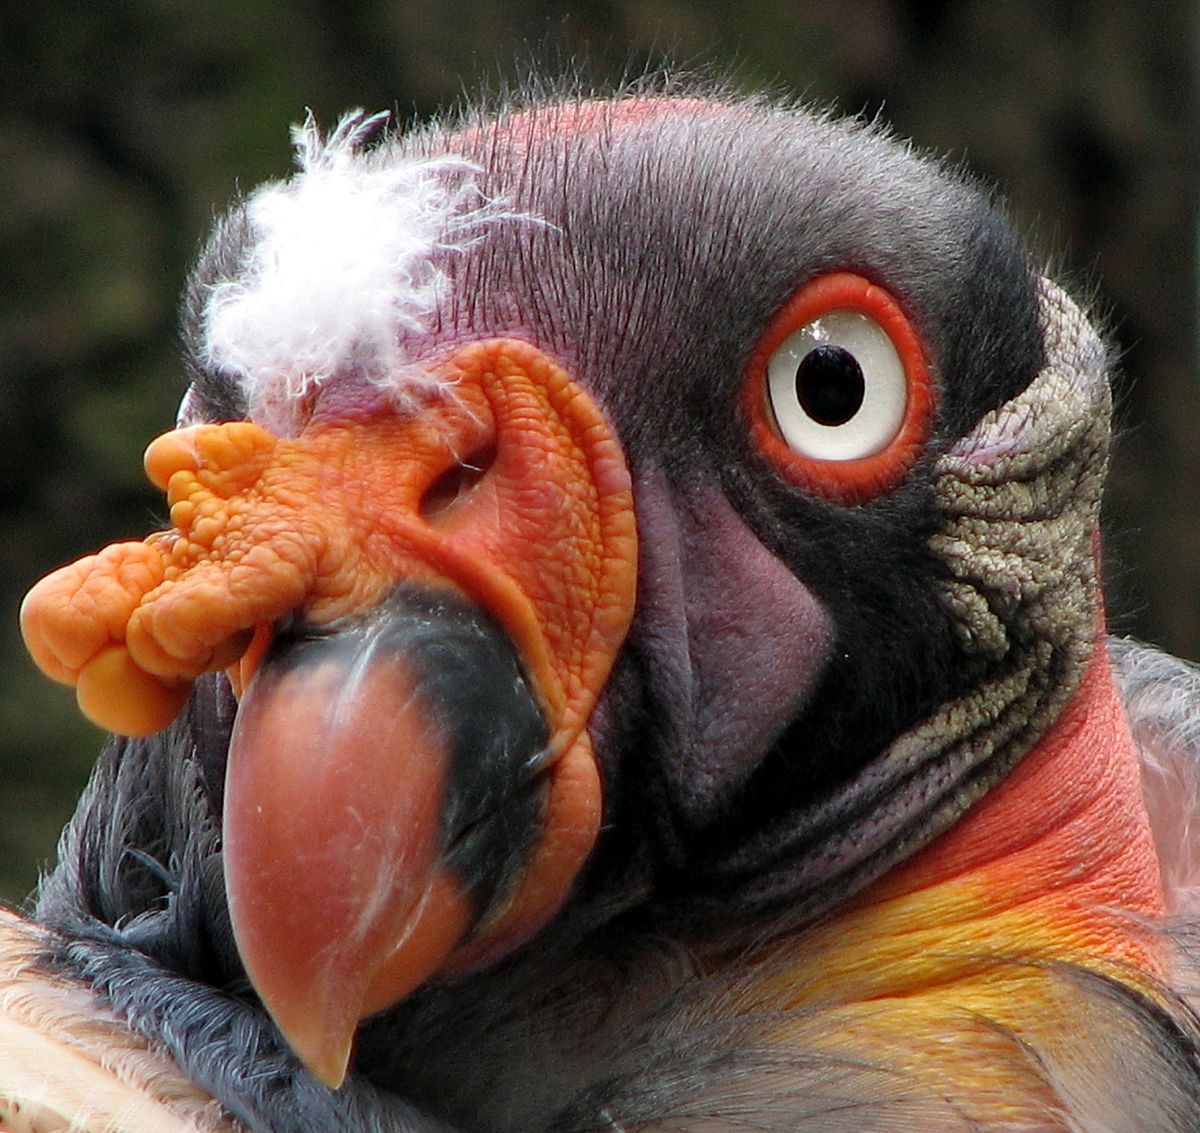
(855, 479)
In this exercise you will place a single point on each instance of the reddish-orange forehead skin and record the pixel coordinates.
(330, 521)
(589, 117)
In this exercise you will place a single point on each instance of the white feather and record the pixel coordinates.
(342, 266)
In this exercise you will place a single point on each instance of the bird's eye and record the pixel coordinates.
(839, 389)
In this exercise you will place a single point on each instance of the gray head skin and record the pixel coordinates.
(811, 690)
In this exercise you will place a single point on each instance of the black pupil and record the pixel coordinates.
(829, 385)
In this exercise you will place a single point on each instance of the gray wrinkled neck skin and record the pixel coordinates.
(1020, 495)
(1019, 499)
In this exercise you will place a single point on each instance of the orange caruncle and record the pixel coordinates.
(326, 523)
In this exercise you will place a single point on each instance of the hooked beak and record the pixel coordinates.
(432, 602)
(385, 798)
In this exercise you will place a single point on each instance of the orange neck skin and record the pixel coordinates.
(965, 946)
(1066, 836)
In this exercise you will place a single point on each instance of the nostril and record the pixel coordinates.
(456, 482)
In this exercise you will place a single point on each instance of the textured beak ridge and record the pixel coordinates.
(421, 609)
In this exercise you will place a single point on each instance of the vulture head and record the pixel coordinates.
(625, 653)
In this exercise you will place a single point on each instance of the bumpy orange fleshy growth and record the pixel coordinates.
(329, 521)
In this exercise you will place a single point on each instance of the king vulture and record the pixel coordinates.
(625, 654)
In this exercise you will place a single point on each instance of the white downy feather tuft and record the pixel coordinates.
(341, 266)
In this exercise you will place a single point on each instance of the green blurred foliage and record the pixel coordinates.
(126, 125)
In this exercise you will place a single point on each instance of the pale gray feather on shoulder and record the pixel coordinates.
(1161, 694)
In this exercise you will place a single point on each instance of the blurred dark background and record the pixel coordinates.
(125, 126)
